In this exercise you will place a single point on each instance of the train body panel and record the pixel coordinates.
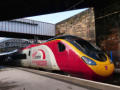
(40, 56)
(61, 54)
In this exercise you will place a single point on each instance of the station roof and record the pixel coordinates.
(55, 18)
(12, 9)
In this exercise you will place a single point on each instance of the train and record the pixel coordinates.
(67, 53)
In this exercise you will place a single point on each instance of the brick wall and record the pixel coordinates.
(108, 30)
(81, 25)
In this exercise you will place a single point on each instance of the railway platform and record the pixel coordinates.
(30, 79)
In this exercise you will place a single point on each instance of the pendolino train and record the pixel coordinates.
(67, 53)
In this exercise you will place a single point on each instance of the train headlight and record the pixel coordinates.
(88, 61)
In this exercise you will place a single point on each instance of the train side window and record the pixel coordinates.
(29, 53)
(61, 47)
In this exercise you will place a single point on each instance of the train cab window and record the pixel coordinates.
(61, 47)
(84, 45)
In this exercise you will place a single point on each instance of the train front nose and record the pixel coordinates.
(104, 66)
(104, 70)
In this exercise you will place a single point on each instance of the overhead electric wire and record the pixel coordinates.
(107, 15)
(76, 4)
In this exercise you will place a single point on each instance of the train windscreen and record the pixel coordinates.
(89, 49)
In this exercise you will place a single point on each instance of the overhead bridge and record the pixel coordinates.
(25, 28)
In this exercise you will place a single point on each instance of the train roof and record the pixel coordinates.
(66, 37)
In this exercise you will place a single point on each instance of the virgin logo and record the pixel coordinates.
(106, 68)
(39, 55)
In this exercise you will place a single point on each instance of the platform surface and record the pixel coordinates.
(14, 79)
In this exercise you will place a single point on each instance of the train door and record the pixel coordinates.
(62, 56)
